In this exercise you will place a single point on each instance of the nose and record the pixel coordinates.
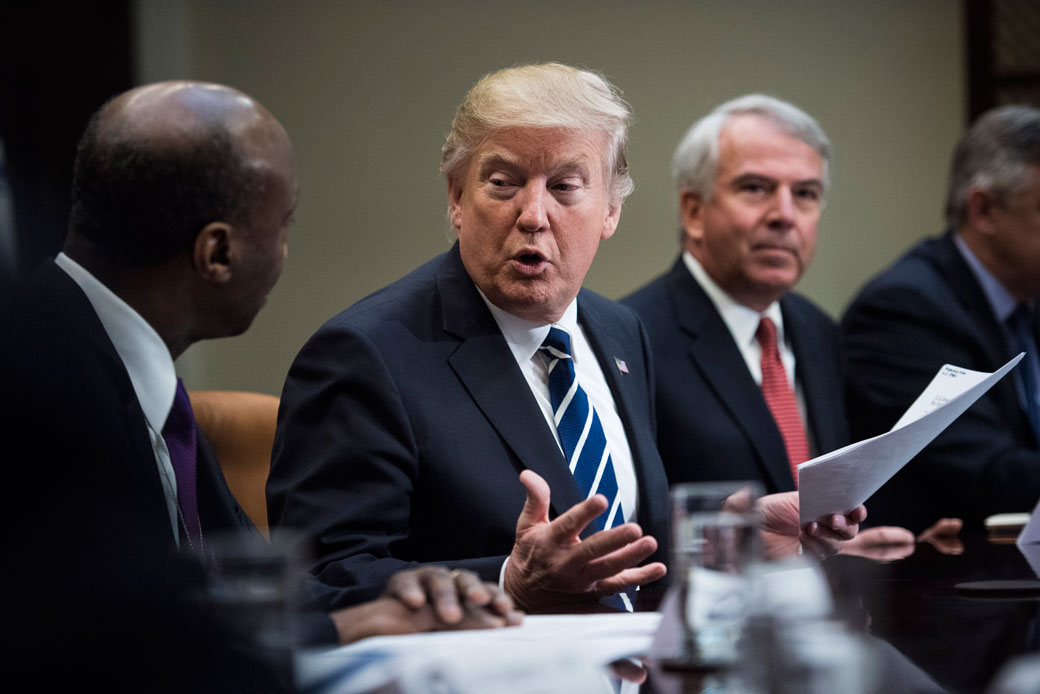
(532, 214)
(782, 214)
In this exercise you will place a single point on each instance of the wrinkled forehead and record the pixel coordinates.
(543, 150)
(749, 141)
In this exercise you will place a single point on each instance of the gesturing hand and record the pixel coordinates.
(551, 565)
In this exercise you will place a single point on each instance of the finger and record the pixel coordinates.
(536, 506)
(944, 527)
(476, 618)
(819, 547)
(569, 525)
(883, 535)
(629, 670)
(615, 562)
(833, 527)
(629, 578)
(856, 515)
(604, 542)
(469, 585)
(825, 533)
(440, 588)
(738, 502)
(500, 601)
(406, 587)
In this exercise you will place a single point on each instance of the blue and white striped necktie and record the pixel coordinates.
(581, 433)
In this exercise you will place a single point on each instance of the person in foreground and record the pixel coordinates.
(182, 196)
(748, 373)
(485, 411)
(966, 298)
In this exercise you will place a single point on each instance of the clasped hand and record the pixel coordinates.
(429, 598)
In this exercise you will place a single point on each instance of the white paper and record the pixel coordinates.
(841, 480)
(1028, 541)
(1030, 534)
(569, 650)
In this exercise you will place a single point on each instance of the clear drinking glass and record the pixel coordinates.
(252, 587)
(714, 542)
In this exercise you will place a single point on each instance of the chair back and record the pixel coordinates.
(240, 426)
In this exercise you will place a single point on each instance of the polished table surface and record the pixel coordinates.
(958, 640)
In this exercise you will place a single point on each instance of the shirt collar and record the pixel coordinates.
(144, 354)
(525, 337)
(1000, 299)
(741, 320)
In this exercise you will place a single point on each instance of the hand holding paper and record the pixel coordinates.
(843, 479)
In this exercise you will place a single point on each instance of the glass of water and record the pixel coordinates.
(714, 542)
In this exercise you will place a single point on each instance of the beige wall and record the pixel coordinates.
(367, 91)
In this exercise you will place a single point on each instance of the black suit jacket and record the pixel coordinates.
(95, 574)
(405, 422)
(925, 311)
(712, 421)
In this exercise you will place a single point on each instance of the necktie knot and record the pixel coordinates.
(766, 335)
(181, 418)
(558, 343)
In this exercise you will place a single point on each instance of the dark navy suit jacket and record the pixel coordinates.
(712, 421)
(405, 422)
(95, 571)
(925, 311)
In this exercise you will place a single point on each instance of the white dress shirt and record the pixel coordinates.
(147, 361)
(524, 339)
(743, 324)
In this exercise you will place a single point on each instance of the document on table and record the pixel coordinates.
(545, 653)
(841, 480)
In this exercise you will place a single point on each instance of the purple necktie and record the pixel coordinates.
(179, 433)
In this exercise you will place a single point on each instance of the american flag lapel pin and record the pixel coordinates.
(622, 367)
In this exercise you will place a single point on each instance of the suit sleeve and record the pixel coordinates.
(346, 465)
(895, 338)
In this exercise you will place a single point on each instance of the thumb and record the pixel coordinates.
(536, 507)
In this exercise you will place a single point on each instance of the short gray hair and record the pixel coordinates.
(696, 158)
(993, 155)
(549, 95)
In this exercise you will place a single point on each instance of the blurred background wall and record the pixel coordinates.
(367, 91)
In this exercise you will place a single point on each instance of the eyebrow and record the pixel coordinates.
(491, 160)
(763, 177)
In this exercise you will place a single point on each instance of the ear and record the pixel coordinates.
(213, 257)
(691, 214)
(981, 206)
(611, 222)
(455, 203)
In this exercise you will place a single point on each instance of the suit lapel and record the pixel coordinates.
(962, 281)
(628, 390)
(955, 270)
(69, 300)
(487, 369)
(722, 366)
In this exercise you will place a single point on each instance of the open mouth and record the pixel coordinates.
(529, 262)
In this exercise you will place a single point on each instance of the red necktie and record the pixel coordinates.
(780, 398)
